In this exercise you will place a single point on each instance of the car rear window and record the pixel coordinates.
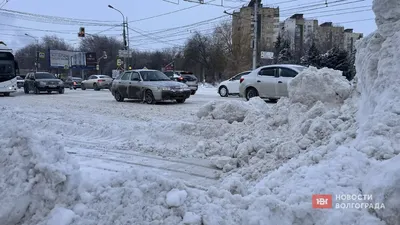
(76, 78)
(189, 77)
(103, 76)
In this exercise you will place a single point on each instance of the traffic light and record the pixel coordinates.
(81, 32)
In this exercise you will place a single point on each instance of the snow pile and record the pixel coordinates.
(35, 174)
(232, 111)
(264, 137)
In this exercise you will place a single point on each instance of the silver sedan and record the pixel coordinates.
(150, 86)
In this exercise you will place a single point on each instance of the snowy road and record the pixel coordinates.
(109, 137)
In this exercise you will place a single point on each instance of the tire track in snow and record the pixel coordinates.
(194, 173)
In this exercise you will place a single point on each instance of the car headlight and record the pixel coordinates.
(164, 88)
(60, 82)
(42, 83)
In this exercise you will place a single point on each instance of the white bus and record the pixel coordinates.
(8, 72)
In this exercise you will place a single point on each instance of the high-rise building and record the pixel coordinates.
(350, 39)
(267, 27)
(299, 32)
(329, 36)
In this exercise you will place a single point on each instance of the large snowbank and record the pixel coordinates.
(33, 178)
(265, 137)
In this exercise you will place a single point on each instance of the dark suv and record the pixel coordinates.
(42, 81)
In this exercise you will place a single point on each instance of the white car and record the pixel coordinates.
(97, 82)
(268, 82)
(231, 86)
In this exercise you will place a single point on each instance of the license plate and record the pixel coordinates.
(52, 86)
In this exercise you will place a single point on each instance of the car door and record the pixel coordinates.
(285, 75)
(265, 82)
(234, 82)
(134, 86)
(123, 84)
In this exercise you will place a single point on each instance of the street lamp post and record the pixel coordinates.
(36, 50)
(123, 31)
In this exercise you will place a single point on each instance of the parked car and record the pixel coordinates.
(190, 80)
(231, 86)
(20, 82)
(97, 82)
(42, 81)
(73, 83)
(150, 85)
(268, 82)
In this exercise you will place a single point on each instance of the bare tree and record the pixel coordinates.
(98, 44)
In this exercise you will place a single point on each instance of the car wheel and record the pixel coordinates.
(193, 92)
(37, 91)
(26, 90)
(251, 93)
(149, 97)
(181, 100)
(83, 87)
(70, 88)
(223, 91)
(6, 94)
(74, 88)
(61, 91)
(95, 87)
(274, 100)
(118, 97)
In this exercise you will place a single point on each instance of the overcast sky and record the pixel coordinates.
(355, 14)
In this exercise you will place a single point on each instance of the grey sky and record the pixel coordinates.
(139, 9)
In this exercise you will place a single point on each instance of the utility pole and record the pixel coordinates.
(255, 38)
(36, 51)
(128, 45)
(124, 24)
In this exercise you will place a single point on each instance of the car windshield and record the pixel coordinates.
(154, 75)
(6, 67)
(45, 76)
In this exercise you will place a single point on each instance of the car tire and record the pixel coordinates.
(74, 88)
(36, 91)
(26, 90)
(251, 93)
(83, 87)
(149, 97)
(95, 87)
(6, 94)
(61, 91)
(223, 91)
(118, 96)
(181, 100)
(70, 88)
(193, 92)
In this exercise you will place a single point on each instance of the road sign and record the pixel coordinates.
(119, 62)
(124, 53)
(267, 55)
(97, 67)
(41, 55)
(66, 67)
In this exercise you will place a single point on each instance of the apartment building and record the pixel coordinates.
(350, 39)
(267, 27)
(300, 32)
(329, 36)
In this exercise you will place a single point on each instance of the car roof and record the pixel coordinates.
(140, 70)
(290, 66)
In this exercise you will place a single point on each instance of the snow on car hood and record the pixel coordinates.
(164, 84)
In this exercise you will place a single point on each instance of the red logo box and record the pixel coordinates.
(322, 201)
